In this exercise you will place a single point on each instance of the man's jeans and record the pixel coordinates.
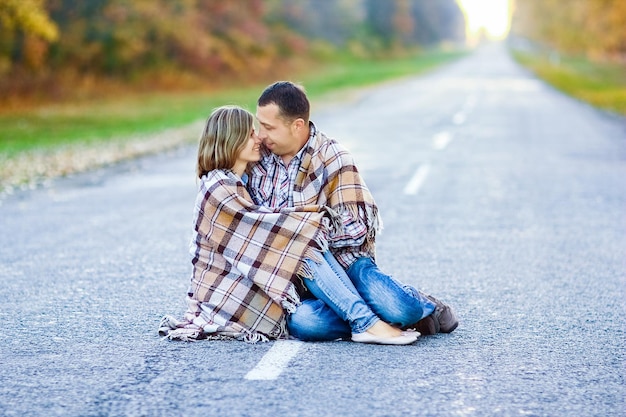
(326, 317)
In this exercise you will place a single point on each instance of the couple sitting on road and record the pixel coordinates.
(284, 238)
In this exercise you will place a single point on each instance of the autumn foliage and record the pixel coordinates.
(61, 47)
(595, 28)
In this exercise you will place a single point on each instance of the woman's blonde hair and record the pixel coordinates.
(224, 136)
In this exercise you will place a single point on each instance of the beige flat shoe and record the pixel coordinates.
(406, 338)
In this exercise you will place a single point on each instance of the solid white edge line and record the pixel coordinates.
(275, 360)
(417, 180)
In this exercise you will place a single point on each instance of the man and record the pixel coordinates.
(300, 166)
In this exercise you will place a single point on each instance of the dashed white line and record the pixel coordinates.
(275, 360)
(441, 140)
(469, 103)
(417, 180)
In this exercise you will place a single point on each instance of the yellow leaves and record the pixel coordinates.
(215, 39)
(594, 27)
(29, 16)
(613, 30)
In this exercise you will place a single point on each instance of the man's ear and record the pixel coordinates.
(298, 124)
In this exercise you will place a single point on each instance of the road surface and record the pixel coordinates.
(499, 195)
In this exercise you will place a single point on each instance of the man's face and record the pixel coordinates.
(276, 134)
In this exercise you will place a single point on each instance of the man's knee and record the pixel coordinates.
(360, 267)
(402, 314)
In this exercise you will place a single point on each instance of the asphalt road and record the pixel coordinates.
(499, 195)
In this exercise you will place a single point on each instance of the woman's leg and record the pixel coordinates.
(331, 285)
(314, 321)
(397, 304)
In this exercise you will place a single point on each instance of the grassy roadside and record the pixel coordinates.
(51, 126)
(56, 140)
(600, 84)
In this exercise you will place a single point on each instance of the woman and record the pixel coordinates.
(249, 261)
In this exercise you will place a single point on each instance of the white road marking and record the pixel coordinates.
(441, 140)
(418, 179)
(469, 103)
(275, 360)
(459, 118)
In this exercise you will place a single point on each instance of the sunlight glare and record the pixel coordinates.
(492, 17)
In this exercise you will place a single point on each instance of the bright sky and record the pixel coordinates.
(492, 15)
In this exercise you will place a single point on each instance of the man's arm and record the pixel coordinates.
(354, 231)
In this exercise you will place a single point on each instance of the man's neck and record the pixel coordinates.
(302, 141)
(286, 159)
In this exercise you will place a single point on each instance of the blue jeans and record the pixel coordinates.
(398, 304)
(341, 303)
(325, 317)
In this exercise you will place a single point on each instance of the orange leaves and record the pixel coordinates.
(596, 28)
(215, 40)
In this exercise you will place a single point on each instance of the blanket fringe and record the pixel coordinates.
(293, 299)
(369, 214)
(254, 337)
(172, 329)
(333, 221)
(184, 335)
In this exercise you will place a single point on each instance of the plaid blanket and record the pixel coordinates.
(328, 176)
(246, 263)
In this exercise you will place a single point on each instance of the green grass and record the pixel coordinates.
(600, 84)
(53, 126)
(358, 73)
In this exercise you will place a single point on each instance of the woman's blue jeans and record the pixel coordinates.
(337, 311)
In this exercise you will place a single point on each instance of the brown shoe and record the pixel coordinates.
(444, 315)
(427, 326)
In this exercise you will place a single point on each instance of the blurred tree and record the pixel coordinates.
(596, 28)
(437, 21)
(234, 38)
(123, 36)
(335, 22)
(609, 28)
(403, 21)
(25, 31)
(415, 22)
(137, 40)
(379, 21)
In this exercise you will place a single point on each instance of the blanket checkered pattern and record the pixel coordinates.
(328, 176)
(246, 263)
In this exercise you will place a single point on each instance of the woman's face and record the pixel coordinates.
(251, 151)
